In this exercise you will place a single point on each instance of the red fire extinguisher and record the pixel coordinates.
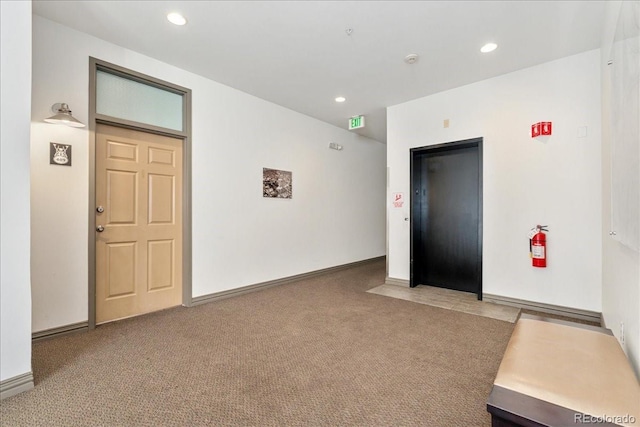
(538, 246)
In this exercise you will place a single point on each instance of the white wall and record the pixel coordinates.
(556, 181)
(620, 265)
(336, 215)
(15, 292)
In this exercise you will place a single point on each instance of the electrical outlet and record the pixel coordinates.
(622, 333)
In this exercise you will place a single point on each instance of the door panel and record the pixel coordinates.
(159, 156)
(160, 264)
(121, 269)
(121, 151)
(139, 253)
(122, 197)
(161, 199)
(446, 221)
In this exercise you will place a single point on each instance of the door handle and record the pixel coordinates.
(99, 229)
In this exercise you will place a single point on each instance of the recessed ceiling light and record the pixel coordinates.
(489, 47)
(341, 99)
(176, 18)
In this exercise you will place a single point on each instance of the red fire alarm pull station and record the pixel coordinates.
(541, 129)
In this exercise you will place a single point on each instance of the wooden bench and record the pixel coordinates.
(557, 373)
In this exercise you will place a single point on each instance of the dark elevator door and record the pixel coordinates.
(446, 191)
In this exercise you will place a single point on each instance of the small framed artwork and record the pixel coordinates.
(59, 154)
(276, 184)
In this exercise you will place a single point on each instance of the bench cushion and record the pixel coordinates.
(584, 370)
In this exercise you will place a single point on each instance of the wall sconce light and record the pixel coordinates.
(63, 116)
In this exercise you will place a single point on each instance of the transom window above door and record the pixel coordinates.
(125, 98)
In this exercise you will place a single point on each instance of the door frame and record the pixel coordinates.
(434, 149)
(185, 135)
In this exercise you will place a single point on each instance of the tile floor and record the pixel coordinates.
(449, 299)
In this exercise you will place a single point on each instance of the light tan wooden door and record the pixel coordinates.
(139, 250)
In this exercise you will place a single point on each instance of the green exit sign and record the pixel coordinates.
(356, 122)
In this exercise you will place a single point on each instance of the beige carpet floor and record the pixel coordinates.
(319, 352)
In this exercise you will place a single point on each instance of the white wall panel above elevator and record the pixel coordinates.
(554, 181)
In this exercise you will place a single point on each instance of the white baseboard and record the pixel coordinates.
(574, 313)
(16, 385)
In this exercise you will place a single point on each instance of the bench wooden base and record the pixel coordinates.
(510, 409)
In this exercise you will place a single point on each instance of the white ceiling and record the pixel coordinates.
(298, 54)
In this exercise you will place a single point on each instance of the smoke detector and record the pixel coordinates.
(412, 58)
